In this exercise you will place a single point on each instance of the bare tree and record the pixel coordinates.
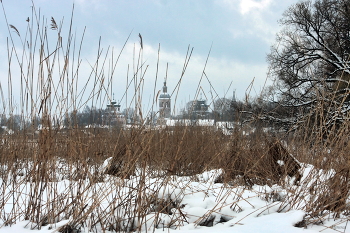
(222, 107)
(310, 60)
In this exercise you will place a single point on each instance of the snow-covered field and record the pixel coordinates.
(172, 203)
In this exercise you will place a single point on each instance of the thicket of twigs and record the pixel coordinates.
(64, 171)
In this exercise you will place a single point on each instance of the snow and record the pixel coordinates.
(225, 126)
(186, 122)
(280, 162)
(7, 130)
(200, 204)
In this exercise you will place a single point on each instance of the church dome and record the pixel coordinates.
(164, 96)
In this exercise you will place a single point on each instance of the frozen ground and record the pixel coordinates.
(198, 205)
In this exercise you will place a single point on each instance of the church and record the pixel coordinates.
(165, 103)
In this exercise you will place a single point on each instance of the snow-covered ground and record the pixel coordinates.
(197, 204)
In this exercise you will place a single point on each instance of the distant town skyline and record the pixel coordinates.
(238, 34)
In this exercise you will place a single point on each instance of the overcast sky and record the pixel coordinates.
(240, 32)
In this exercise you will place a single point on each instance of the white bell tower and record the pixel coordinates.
(165, 103)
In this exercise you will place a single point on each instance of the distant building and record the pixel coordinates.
(114, 116)
(113, 107)
(198, 109)
(165, 103)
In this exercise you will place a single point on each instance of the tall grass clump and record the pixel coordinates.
(322, 142)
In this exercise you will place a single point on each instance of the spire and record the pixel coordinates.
(165, 88)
